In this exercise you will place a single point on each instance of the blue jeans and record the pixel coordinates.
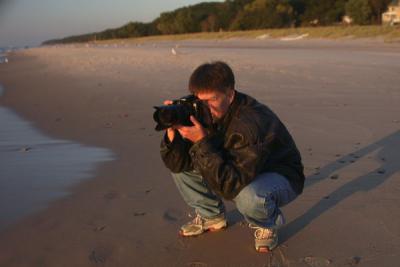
(258, 202)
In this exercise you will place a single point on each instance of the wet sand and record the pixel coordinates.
(339, 99)
(36, 169)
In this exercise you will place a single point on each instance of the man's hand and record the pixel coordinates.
(193, 133)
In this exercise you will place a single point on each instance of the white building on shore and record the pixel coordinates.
(392, 16)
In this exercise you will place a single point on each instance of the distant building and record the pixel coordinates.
(392, 16)
(347, 20)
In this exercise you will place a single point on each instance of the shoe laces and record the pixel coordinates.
(198, 220)
(261, 233)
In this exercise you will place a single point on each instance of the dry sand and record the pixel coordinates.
(339, 99)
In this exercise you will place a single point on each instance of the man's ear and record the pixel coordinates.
(231, 95)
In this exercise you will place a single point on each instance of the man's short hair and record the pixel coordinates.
(214, 76)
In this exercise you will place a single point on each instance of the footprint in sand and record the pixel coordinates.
(172, 215)
(99, 228)
(112, 195)
(316, 261)
(197, 264)
(96, 257)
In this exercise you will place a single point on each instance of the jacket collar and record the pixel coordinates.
(222, 124)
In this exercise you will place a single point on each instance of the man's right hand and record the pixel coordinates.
(170, 131)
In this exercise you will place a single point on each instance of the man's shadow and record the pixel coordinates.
(387, 151)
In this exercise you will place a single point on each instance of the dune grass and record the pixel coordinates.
(386, 33)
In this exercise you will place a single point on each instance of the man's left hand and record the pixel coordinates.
(193, 133)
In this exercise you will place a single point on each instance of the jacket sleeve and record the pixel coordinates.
(175, 154)
(228, 171)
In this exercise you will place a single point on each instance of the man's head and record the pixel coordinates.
(214, 83)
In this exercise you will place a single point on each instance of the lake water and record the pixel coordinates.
(36, 169)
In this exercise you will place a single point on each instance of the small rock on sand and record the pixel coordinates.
(334, 177)
(381, 171)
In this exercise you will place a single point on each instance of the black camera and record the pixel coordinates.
(179, 112)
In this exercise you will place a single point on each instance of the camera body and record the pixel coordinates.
(179, 112)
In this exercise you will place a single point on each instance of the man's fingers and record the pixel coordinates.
(194, 121)
(168, 102)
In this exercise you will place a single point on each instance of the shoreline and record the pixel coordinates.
(131, 211)
(37, 169)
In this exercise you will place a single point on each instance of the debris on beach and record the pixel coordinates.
(136, 214)
(294, 37)
(25, 149)
(262, 37)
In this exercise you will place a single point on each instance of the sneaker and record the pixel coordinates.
(200, 225)
(266, 239)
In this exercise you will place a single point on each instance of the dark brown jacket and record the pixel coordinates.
(249, 140)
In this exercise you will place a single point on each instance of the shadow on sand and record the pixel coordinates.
(386, 148)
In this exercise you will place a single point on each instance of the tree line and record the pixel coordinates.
(233, 15)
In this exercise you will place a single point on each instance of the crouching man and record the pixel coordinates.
(248, 156)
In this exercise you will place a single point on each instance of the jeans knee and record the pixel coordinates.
(247, 201)
(253, 205)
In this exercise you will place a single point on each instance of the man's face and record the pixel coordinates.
(217, 102)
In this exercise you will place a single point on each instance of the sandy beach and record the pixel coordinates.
(339, 99)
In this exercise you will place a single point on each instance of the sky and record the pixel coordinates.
(30, 22)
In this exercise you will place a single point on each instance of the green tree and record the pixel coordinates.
(360, 11)
(378, 7)
(324, 12)
(262, 14)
